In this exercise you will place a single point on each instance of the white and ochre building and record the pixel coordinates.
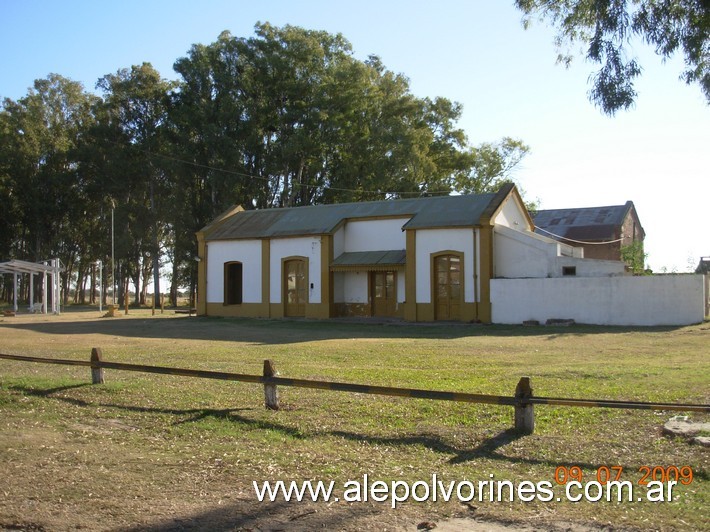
(419, 259)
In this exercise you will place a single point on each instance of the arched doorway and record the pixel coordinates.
(447, 287)
(295, 287)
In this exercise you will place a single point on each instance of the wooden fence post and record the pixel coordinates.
(524, 412)
(271, 393)
(97, 374)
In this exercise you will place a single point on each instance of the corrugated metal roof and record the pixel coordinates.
(394, 257)
(440, 211)
(589, 223)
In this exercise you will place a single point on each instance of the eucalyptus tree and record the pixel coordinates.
(606, 28)
(135, 183)
(41, 184)
(491, 165)
(291, 117)
(9, 220)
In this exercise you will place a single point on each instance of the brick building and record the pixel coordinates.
(600, 231)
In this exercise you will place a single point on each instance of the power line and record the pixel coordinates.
(267, 179)
(580, 241)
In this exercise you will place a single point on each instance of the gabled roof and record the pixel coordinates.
(432, 212)
(589, 223)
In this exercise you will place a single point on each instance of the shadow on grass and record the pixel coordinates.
(191, 415)
(490, 448)
(289, 331)
(250, 514)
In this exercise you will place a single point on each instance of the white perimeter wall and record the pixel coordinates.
(646, 300)
(435, 241)
(281, 248)
(523, 254)
(248, 252)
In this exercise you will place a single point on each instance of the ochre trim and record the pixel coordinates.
(486, 273)
(201, 275)
(476, 273)
(353, 310)
(505, 193)
(317, 311)
(245, 310)
(427, 311)
(325, 308)
(518, 199)
(276, 310)
(410, 277)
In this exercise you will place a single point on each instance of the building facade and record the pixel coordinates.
(419, 259)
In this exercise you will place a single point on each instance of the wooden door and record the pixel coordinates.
(384, 294)
(447, 295)
(296, 287)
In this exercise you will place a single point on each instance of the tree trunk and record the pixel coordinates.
(137, 285)
(118, 284)
(92, 285)
(156, 250)
(80, 291)
(173, 284)
(146, 268)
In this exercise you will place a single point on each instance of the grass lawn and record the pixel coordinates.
(161, 452)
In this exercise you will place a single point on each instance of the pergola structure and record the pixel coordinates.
(49, 268)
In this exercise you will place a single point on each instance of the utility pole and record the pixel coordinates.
(101, 285)
(113, 263)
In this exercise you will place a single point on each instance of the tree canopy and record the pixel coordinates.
(605, 28)
(285, 117)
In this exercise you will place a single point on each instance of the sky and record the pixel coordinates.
(474, 52)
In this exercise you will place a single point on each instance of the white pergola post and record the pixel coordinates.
(31, 305)
(44, 292)
(57, 288)
(14, 291)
